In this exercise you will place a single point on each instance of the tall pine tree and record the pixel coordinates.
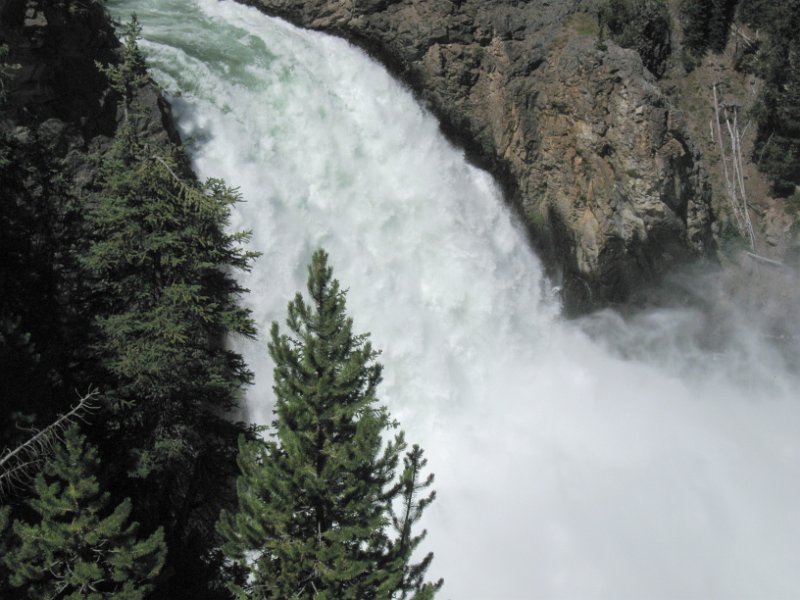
(316, 503)
(79, 549)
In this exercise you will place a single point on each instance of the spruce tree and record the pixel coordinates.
(316, 502)
(159, 262)
(719, 24)
(79, 549)
(131, 72)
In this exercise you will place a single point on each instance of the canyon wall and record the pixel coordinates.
(595, 157)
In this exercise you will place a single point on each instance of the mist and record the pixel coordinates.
(650, 454)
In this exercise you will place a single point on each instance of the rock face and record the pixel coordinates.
(615, 172)
(56, 93)
(54, 48)
(599, 164)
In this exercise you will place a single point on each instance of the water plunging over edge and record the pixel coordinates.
(563, 469)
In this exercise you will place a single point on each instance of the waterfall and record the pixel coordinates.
(610, 457)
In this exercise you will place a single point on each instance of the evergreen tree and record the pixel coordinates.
(131, 72)
(695, 15)
(706, 24)
(757, 13)
(124, 283)
(159, 262)
(719, 23)
(777, 148)
(315, 503)
(79, 549)
(408, 577)
(42, 324)
(7, 71)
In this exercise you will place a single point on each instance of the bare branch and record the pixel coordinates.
(17, 464)
(729, 186)
(765, 260)
(734, 178)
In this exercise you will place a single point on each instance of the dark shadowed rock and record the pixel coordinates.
(58, 93)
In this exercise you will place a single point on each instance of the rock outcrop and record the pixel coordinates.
(600, 165)
(54, 91)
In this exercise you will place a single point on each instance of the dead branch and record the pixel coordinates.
(764, 259)
(734, 178)
(729, 184)
(17, 464)
(737, 31)
(764, 149)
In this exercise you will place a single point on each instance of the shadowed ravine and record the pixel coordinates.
(564, 469)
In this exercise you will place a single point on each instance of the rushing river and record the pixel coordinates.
(564, 468)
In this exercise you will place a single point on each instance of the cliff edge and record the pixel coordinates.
(597, 160)
(55, 95)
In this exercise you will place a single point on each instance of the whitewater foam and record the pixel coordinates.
(626, 462)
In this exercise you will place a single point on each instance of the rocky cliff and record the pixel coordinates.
(600, 164)
(56, 95)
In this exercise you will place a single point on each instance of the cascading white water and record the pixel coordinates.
(564, 469)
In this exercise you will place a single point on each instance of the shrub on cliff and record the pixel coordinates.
(641, 25)
(706, 24)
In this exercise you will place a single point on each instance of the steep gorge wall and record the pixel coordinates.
(56, 95)
(594, 156)
(58, 115)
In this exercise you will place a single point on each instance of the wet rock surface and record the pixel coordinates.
(601, 167)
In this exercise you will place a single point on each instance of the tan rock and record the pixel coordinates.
(601, 167)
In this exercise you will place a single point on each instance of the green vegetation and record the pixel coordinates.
(732, 241)
(759, 13)
(315, 503)
(42, 324)
(123, 283)
(777, 149)
(775, 57)
(131, 72)
(77, 548)
(157, 261)
(706, 24)
(793, 204)
(642, 25)
(5, 588)
(583, 24)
